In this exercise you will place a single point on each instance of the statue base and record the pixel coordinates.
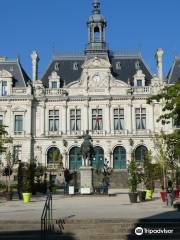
(86, 180)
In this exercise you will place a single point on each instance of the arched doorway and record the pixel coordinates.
(75, 158)
(140, 154)
(98, 158)
(119, 158)
(53, 155)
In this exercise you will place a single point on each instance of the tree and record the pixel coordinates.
(8, 169)
(3, 138)
(132, 174)
(170, 98)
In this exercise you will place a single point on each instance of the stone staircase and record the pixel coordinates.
(89, 229)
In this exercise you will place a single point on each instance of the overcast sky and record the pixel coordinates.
(44, 25)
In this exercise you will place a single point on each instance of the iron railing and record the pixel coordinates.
(47, 218)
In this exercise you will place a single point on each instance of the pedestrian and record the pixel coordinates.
(169, 194)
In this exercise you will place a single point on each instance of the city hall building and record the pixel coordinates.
(102, 91)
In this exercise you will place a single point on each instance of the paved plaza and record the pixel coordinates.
(87, 207)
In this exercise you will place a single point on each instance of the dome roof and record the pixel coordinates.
(96, 18)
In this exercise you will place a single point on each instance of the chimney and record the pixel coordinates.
(158, 57)
(35, 60)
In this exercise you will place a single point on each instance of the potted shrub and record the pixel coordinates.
(7, 171)
(26, 184)
(142, 192)
(67, 178)
(148, 176)
(106, 172)
(132, 180)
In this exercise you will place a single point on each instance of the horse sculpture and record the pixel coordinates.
(87, 149)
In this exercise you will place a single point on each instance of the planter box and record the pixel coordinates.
(85, 190)
(71, 190)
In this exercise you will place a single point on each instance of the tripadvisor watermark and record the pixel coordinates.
(140, 231)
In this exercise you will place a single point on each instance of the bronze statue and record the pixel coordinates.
(87, 149)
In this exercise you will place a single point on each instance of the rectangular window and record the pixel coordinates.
(1, 119)
(97, 119)
(75, 120)
(139, 83)
(54, 84)
(118, 119)
(17, 153)
(18, 126)
(4, 88)
(53, 120)
(140, 118)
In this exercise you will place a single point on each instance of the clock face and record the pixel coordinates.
(96, 78)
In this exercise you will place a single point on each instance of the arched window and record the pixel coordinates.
(140, 153)
(75, 158)
(96, 34)
(98, 158)
(119, 158)
(53, 155)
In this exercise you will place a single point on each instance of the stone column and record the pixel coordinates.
(42, 119)
(108, 120)
(35, 60)
(158, 57)
(64, 119)
(85, 118)
(129, 123)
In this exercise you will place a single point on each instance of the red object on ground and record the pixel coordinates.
(176, 193)
(163, 196)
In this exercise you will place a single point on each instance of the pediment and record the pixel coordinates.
(5, 74)
(96, 63)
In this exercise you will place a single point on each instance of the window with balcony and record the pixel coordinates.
(17, 153)
(75, 120)
(53, 120)
(139, 83)
(54, 85)
(97, 119)
(18, 126)
(118, 119)
(140, 118)
(4, 88)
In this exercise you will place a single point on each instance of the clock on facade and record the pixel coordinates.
(96, 78)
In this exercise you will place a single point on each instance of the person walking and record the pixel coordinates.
(169, 194)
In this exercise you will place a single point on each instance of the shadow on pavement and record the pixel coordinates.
(34, 235)
(160, 226)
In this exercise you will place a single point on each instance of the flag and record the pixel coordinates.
(97, 122)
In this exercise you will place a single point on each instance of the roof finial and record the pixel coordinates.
(96, 7)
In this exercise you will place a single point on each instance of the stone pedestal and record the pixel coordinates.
(86, 180)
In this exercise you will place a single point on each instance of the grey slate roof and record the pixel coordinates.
(128, 67)
(20, 77)
(174, 73)
(65, 66)
(68, 74)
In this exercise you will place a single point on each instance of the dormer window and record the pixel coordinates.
(75, 66)
(118, 65)
(139, 79)
(11, 69)
(137, 65)
(139, 83)
(54, 80)
(54, 84)
(56, 66)
(4, 88)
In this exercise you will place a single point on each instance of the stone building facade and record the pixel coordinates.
(102, 91)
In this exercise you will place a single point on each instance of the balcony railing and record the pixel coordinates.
(120, 132)
(141, 90)
(19, 91)
(52, 92)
